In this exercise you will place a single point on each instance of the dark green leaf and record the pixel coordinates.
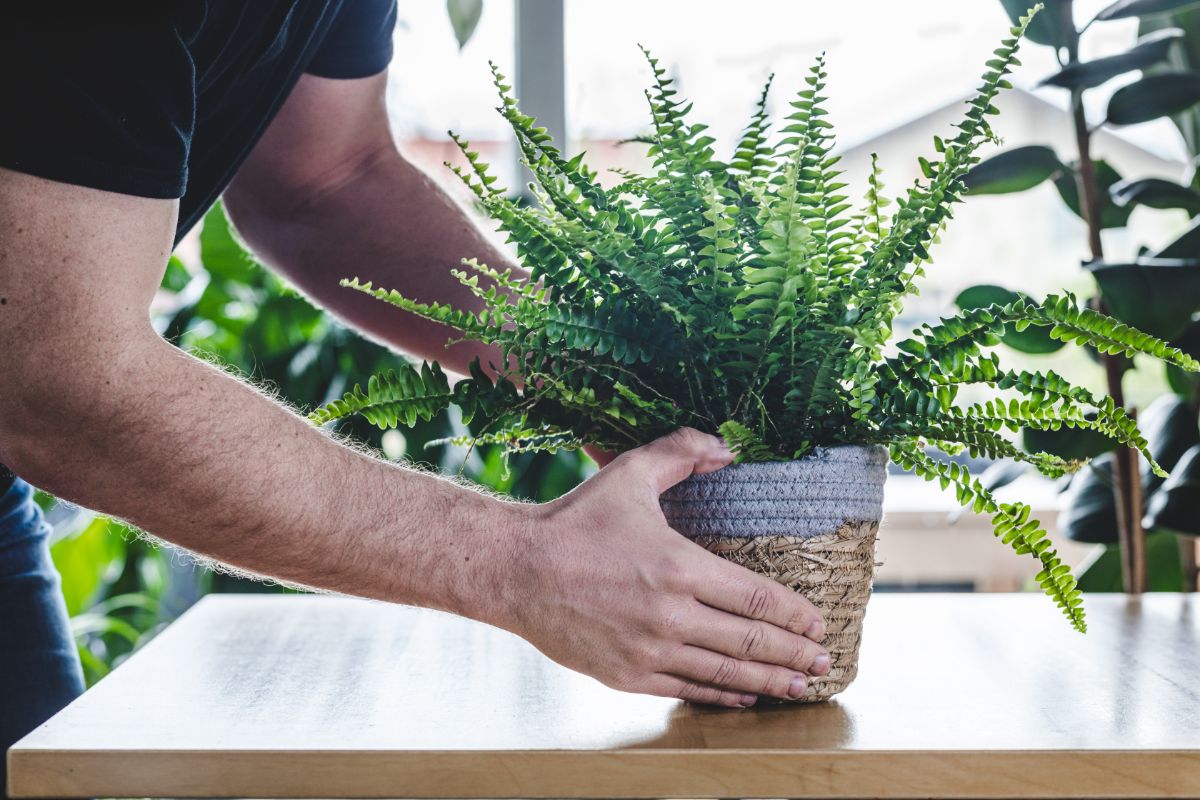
(1089, 513)
(284, 324)
(1123, 9)
(1175, 507)
(220, 251)
(1182, 382)
(176, 276)
(1001, 473)
(464, 17)
(1150, 49)
(1187, 246)
(1152, 96)
(1012, 170)
(1155, 193)
(1111, 215)
(1071, 443)
(1049, 27)
(89, 561)
(1185, 55)
(1170, 427)
(1103, 574)
(1158, 296)
(1031, 340)
(1186, 384)
(1163, 568)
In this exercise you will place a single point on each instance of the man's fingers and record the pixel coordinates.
(693, 692)
(747, 594)
(754, 640)
(734, 675)
(671, 458)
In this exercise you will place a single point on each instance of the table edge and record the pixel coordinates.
(623, 773)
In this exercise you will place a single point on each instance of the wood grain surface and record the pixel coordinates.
(958, 696)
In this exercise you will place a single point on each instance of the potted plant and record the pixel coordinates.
(744, 298)
(1117, 501)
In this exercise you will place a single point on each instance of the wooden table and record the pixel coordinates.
(958, 696)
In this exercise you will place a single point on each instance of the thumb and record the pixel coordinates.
(669, 459)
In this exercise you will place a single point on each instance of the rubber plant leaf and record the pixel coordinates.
(1013, 170)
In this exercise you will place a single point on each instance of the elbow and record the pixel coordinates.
(251, 215)
(42, 421)
(265, 221)
(55, 421)
(270, 207)
(34, 427)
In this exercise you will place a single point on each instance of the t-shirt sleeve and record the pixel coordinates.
(359, 42)
(97, 94)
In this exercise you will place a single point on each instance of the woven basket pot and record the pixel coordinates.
(809, 524)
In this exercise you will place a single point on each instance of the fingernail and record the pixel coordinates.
(747, 700)
(816, 631)
(821, 664)
(798, 687)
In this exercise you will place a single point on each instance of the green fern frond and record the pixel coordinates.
(893, 265)
(402, 395)
(682, 153)
(808, 142)
(479, 180)
(872, 222)
(519, 438)
(753, 157)
(1067, 322)
(608, 330)
(745, 444)
(464, 321)
(1011, 521)
(1038, 412)
(977, 431)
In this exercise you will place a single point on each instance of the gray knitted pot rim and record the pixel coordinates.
(812, 496)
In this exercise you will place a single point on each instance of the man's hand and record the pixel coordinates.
(604, 586)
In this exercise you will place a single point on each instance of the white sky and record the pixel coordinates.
(888, 61)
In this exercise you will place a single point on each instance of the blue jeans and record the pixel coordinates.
(39, 666)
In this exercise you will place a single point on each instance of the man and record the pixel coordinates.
(122, 123)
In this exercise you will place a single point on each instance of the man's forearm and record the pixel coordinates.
(385, 221)
(197, 457)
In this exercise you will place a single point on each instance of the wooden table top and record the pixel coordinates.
(304, 696)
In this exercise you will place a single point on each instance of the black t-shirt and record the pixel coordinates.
(165, 98)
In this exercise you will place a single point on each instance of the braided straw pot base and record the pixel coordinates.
(834, 571)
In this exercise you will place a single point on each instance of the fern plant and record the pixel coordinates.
(746, 297)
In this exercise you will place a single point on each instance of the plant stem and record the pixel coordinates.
(1187, 558)
(1089, 187)
(1189, 546)
(1126, 480)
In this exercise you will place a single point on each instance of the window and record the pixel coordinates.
(433, 86)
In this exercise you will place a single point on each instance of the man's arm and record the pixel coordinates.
(96, 408)
(326, 195)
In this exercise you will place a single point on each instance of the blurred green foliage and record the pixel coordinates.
(225, 307)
